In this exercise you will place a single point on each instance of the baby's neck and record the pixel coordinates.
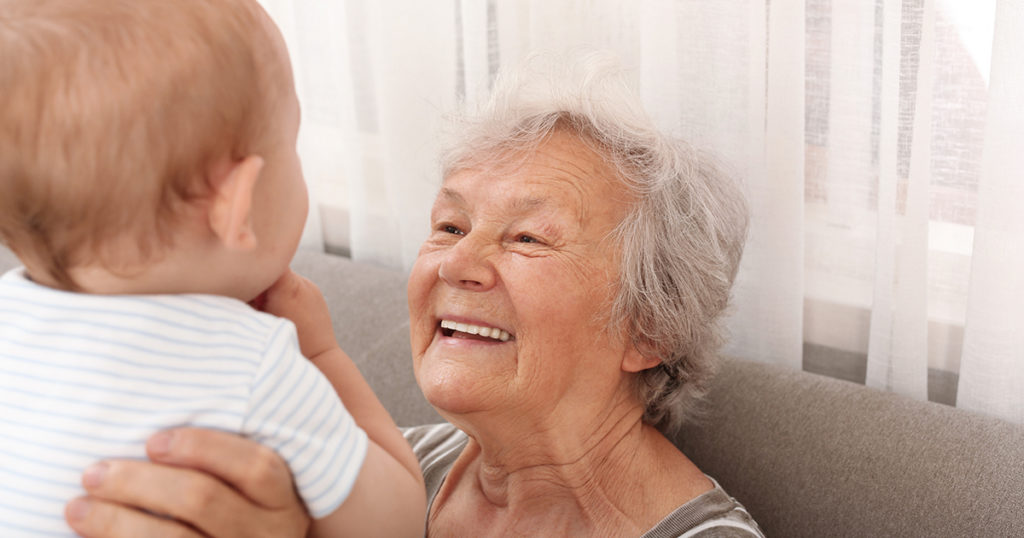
(154, 279)
(176, 271)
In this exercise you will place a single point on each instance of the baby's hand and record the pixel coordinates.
(296, 298)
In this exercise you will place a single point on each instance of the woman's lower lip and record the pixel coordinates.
(463, 337)
(451, 348)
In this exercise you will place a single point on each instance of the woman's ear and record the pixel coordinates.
(230, 212)
(635, 361)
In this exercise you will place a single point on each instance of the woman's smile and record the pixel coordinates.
(471, 331)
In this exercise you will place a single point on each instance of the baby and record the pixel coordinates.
(150, 185)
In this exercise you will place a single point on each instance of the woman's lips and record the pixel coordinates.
(468, 330)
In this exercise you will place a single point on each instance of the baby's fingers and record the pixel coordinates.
(298, 299)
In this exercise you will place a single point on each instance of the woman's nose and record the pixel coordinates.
(466, 265)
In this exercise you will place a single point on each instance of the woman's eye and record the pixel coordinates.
(526, 239)
(448, 228)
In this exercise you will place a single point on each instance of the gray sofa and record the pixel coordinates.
(808, 455)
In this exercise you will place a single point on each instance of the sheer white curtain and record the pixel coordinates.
(880, 144)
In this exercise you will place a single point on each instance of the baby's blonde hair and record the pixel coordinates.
(111, 113)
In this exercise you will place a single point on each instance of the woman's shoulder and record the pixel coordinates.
(714, 514)
(433, 441)
(436, 446)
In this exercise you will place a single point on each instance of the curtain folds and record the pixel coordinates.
(880, 143)
(992, 367)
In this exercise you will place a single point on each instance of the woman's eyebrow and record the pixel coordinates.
(527, 203)
(518, 205)
(452, 195)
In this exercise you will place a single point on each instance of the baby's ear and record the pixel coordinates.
(231, 204)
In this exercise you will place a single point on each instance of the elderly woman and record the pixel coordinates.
(564, 313)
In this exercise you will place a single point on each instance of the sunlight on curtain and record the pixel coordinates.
(991, 371)
(882, 168)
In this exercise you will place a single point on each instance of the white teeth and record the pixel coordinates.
(488, 332)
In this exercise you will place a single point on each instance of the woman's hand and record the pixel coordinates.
(297, 299)
(212, 483)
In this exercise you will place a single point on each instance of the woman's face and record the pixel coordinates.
(521, 256)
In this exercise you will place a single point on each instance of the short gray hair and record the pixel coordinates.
(681, 242)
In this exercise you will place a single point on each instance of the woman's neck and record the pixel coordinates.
(551, 463)
(620, 479)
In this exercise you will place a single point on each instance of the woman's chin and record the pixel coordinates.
(453, 393)
(458, 382)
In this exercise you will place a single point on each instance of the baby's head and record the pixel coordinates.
(122, 121)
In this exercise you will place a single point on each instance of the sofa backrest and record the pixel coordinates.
(807, 455)
(7, 260)
(813, 456)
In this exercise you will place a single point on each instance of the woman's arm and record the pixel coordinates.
(212, 483)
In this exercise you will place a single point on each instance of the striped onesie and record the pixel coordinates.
(91, 377)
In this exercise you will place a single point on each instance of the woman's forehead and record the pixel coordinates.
(562, 170)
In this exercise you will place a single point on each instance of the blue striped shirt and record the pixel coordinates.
(91, 377)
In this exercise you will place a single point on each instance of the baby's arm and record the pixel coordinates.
(388, 498)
